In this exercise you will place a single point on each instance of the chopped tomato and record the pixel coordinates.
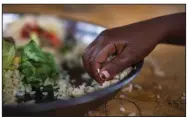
(28, 28)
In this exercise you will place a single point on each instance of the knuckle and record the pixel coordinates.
(114, 64)
(104, 39)
(103, 33)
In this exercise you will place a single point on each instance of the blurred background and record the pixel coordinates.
(163, 76)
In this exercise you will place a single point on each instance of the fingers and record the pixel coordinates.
(88, 59)
(98, 57)
(102, 56)
(109, 50)
(94, 67)
(85, 59)
(116, 65)
(120, 46)
(95, 73)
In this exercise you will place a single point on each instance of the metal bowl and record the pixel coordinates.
(76, 106)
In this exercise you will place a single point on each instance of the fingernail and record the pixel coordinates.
(98, 70)
(105, 74)
(102, 77)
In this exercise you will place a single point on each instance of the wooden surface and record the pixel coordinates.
(152, 100)
(164, 67)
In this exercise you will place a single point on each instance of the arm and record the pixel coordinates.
(131, 44)
(176, 27)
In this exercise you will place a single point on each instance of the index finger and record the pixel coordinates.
(103, 55)
(100, 58)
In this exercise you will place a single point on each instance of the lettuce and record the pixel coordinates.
(37, 66)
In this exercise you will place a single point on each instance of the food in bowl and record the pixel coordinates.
(36, 69)
(31, 75)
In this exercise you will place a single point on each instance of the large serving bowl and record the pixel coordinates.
(75, 106)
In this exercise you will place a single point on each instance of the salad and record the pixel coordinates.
(37, 69)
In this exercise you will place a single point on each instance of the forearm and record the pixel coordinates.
(175, 29)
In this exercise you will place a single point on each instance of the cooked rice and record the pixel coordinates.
(128, 89)
(11, 85)
(183, 98)
(132, 114)
(158, 96)
(137, 86)
(122, 109)
(67, 90)
(183, 94)
(122, 96)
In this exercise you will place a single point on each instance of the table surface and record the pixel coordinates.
(162, 79)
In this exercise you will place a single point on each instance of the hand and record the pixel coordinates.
(129, 44)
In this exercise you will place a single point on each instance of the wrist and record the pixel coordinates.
(172, 28)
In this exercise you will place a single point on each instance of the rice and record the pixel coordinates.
(89, 89)
(137, 86)
(183, 98)
(68, 90)
(132, 114)
(183, 94)
(66, 86)
(128, 89)
(85, 76)
(158, 96)
(122, 109)
(11, 83)
(122, 96)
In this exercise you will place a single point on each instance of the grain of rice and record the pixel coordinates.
(56, 94)
(158, 96)
(73, 81)
(159, 87)
(45, 93)
(122, 109)
(183, 98)
(129, 89)
(117, 77)
(114, 81)
(137, 87)
(159, 72)
(28, 88)
(122, 96)
(132, 114)
(89, 89)
(85, 76)
(77, 92)
(20, 94)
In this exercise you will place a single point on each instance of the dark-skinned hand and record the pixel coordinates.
(131, 44)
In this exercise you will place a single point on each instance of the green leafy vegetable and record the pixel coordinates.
(37, 65)
(9, 52)
(32, 52)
